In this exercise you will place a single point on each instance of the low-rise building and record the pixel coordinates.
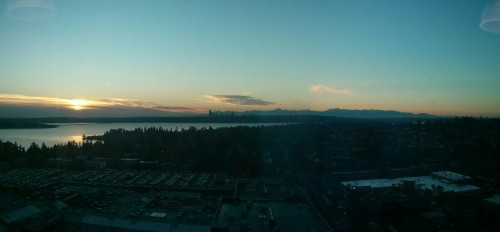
(437, 182)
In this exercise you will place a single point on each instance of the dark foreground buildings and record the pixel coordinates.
(441, 201)
(142, 200)
(139, 200)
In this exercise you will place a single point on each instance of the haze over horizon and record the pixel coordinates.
(161, 58)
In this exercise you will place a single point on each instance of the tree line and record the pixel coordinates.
(240, 150)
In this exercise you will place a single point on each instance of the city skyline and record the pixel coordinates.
(153, 58)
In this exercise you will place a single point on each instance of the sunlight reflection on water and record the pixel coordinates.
(74, 132)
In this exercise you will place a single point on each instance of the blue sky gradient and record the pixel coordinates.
(414, 56)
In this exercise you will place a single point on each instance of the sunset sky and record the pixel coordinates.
(153, 57)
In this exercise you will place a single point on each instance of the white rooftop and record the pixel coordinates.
(421, 182)
(451, 176)
(19, 214)
(495, 199)
(139, 225)
(160, 215)
(126, 224)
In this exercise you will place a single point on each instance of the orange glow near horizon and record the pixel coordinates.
(202, 106)
(77, 104)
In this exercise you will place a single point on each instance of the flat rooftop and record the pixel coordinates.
(140, 225)
(421, 182)
(451, 177)
(19, 214)
(494, 199)
(262, 207)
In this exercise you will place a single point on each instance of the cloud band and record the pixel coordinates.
(242, 100)
(15, 99)
(329, 90)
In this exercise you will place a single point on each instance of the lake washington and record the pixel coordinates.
(74, 131)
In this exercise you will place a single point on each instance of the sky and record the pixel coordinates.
(170, 57)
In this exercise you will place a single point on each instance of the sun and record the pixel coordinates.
(77, 104)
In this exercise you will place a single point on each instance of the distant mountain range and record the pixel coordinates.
(330, 113)
(255, 116)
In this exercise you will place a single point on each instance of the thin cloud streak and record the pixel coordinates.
(131, 103)
(241, 100)
(28, 100)
(329, 90)
(89, 104)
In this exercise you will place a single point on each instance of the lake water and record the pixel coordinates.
(69, 131)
